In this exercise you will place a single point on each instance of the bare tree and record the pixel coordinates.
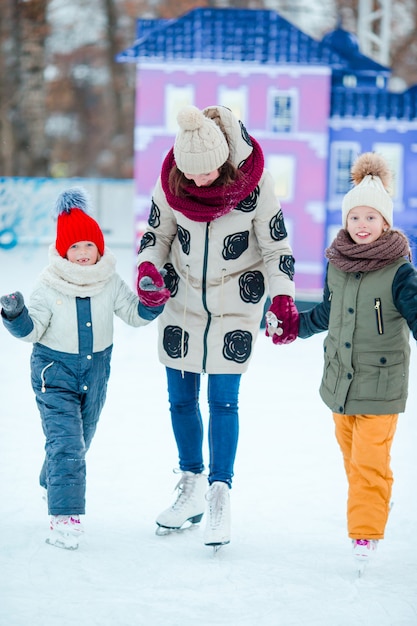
(403, 45)
(404, 41)
(22, 93)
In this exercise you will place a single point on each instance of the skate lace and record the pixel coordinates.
(217, 499)
(185, 487)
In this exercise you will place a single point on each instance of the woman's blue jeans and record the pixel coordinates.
(187, 424)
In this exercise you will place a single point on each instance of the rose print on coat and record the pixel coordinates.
(277, 227)
(171, 279)
(235, 245)
(154, 216)
(286, 265)
(184, 239)
(237, 346)
(148, 240)
(251, 286)
(250, 202)
(173, 337)
(245, 134)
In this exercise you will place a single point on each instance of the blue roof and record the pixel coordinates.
(371, 103)
(247, 35)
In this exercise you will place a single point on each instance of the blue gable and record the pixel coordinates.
(246, 35)
(346, 45)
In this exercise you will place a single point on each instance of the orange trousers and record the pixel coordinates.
(365, 442)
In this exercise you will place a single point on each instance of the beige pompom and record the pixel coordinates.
(190, 118)
(371, 164)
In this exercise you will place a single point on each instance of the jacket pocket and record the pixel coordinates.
(331, 372)
(381, 375)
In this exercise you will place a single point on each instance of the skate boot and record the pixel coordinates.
(189, 506)
(65, 531)
(364, 548)
(217, 532)
(362, 552)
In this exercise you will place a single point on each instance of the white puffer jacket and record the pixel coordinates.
(52, 305)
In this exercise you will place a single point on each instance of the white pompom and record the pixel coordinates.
(190, 118)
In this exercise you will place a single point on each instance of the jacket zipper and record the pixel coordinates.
(379, 320)
(204, 295)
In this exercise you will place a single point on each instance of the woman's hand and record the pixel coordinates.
(151, 287)
(282, 320)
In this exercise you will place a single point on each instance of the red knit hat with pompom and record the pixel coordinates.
(73, 222)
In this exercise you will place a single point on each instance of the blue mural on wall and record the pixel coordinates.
(25, 210)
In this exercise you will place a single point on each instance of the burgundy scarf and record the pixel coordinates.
(349, 256)
(204, 204)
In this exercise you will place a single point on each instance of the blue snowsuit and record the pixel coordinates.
(70, 364)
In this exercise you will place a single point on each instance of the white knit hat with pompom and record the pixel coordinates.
(200, 146)
(371, 176)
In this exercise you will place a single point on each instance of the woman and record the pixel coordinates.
(217, 230)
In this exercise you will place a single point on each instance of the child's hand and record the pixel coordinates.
(12, 305)
(282, 320)
(151, 287)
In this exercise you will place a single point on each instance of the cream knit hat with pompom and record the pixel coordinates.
(200, 146)
(371, 176)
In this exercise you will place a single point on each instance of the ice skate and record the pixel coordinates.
(65, 531)
(363, 550)
(188, 508)
(217, 531)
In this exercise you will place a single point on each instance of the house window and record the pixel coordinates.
(342, 158)
(282, 112)
(235, 100)
(393, 153)
(282, 169)
(175, 99)
(349, 81)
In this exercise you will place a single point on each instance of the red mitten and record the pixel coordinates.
(282, 320)
(151, 287)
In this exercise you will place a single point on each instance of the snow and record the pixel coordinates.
(289, 562)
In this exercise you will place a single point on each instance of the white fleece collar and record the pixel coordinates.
(78, 280)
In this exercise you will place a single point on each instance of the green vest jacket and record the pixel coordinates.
(367, 350)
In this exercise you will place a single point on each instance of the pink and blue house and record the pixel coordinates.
(312, 105)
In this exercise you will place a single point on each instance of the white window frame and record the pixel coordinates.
(175, 99)
(394, 154)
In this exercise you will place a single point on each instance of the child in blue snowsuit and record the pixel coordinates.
(70, 323)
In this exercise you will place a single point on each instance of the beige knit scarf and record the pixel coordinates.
(349, 256)
(78, 280)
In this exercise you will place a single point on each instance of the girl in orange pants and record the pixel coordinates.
(365, 442)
